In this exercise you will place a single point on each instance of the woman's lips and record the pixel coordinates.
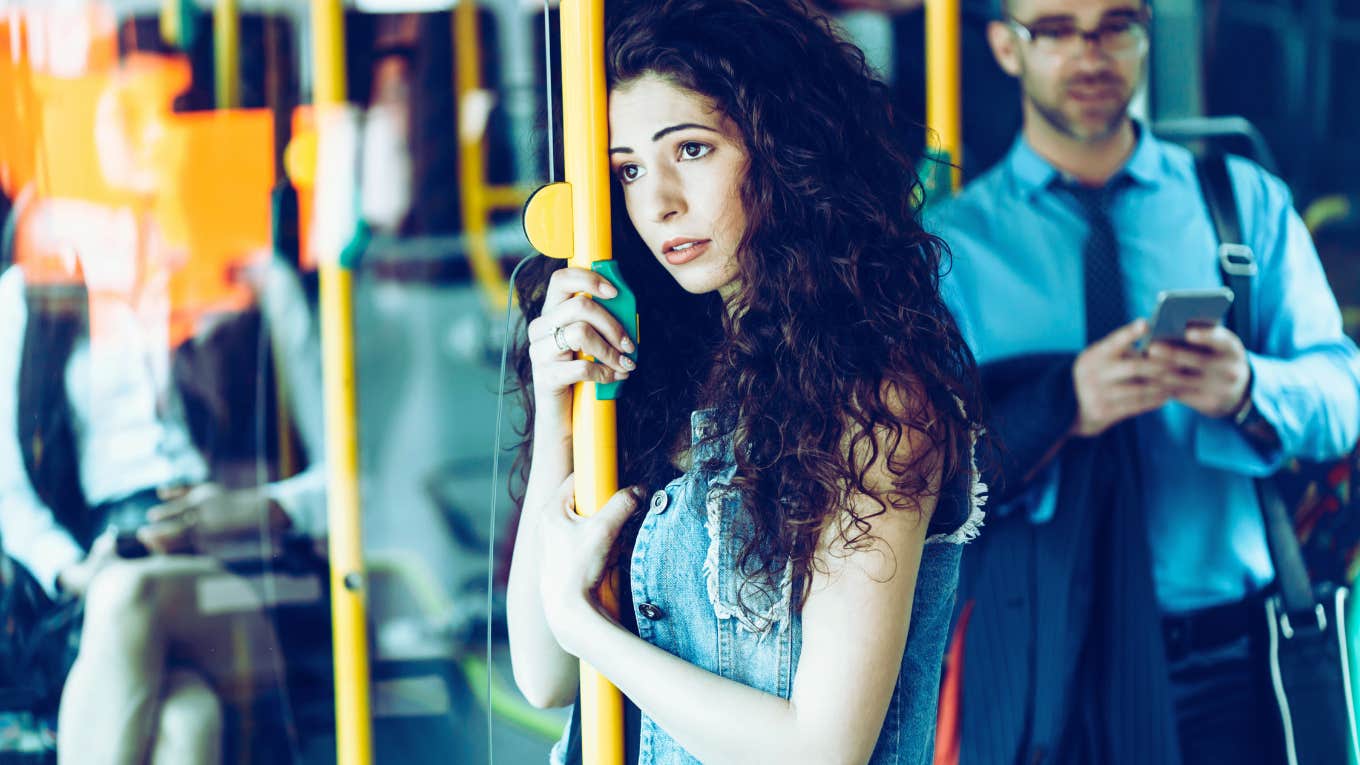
(681, 257)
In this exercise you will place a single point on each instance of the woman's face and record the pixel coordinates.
(681, 163)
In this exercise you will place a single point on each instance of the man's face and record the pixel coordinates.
(1078, 61)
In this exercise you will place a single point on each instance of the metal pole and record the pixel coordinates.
(943, 81)
(172, 21)
(585, 128)
(227, 53)
(354, 735)
(571, 220)
(1177, 61)
(472, 153)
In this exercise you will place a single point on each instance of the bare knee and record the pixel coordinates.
(190, 713)
(119, 596)
(145, 588)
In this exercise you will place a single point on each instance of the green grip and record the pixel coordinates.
(622, 307)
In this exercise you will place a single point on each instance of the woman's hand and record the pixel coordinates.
(575, 550)
(572, 322)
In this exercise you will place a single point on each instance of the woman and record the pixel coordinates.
(802, 410)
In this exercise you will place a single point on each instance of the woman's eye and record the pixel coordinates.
(694, 149)
(630, 173)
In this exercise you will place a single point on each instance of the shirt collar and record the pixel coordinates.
(1033, 173)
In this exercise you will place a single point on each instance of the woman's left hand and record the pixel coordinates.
(575, 552)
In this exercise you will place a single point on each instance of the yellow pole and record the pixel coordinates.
(171, 21)
(585, 124)
(943, 82)
(354, 735)
(227, 53)
(571, 220)
(472, 154)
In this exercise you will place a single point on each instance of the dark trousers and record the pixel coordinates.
(1225, 705)
(39, 637)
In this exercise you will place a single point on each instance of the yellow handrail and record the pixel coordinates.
(172, 22)
(571, 219)
(585, 126)
(474, 194)
(943, 82)
(227, 53)
(353, 718)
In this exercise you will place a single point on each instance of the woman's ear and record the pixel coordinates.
(1005, 47)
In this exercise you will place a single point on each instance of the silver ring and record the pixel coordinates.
(560, 338)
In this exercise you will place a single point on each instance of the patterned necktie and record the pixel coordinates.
(1106, 304)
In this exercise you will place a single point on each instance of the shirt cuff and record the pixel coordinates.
(48, 556)
(303, 499)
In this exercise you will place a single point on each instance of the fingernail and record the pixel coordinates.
(638, 491)
(608, 290)
(627, 345)
(628, 363)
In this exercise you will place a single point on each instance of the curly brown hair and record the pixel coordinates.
(843, 336)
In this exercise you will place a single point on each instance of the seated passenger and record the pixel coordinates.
(112, 431)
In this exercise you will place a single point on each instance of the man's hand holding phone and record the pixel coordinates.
(1115, 381)
(1207, 370)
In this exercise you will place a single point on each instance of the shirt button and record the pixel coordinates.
(659, 501)
(650, 611)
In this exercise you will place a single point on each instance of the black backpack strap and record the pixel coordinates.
(1237, 263)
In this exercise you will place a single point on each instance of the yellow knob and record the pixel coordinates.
(547, 220)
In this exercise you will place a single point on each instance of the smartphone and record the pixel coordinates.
(1178, 310)
(128, 546)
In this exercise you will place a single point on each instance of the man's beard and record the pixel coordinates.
(1060, 122)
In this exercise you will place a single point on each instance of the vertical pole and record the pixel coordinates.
(283, 218)
(1174, 88)
(585, 127)
(467, 51)
(354, 736)
(943, 82)
(227, 53)
(172, 21)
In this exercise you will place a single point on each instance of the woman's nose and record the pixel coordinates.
(668, 197)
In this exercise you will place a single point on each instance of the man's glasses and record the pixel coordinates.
(1115, 36)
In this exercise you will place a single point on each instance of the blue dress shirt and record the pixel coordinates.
(1016, 288)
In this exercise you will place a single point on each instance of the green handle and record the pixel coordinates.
(624, 308)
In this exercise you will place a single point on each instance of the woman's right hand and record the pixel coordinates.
(572, 322)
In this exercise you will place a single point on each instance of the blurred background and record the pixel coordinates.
(166, 196)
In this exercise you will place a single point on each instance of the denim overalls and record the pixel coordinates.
(685, 587)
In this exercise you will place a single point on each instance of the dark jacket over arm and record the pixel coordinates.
(1031, 405)
(1063, 659)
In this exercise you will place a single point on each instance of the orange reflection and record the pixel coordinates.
(148, 206)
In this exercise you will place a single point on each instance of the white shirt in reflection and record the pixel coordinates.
(129, 423)
(128, 418)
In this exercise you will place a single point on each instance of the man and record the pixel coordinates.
(1113, 602)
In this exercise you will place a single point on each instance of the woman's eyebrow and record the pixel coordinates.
(662, 133)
